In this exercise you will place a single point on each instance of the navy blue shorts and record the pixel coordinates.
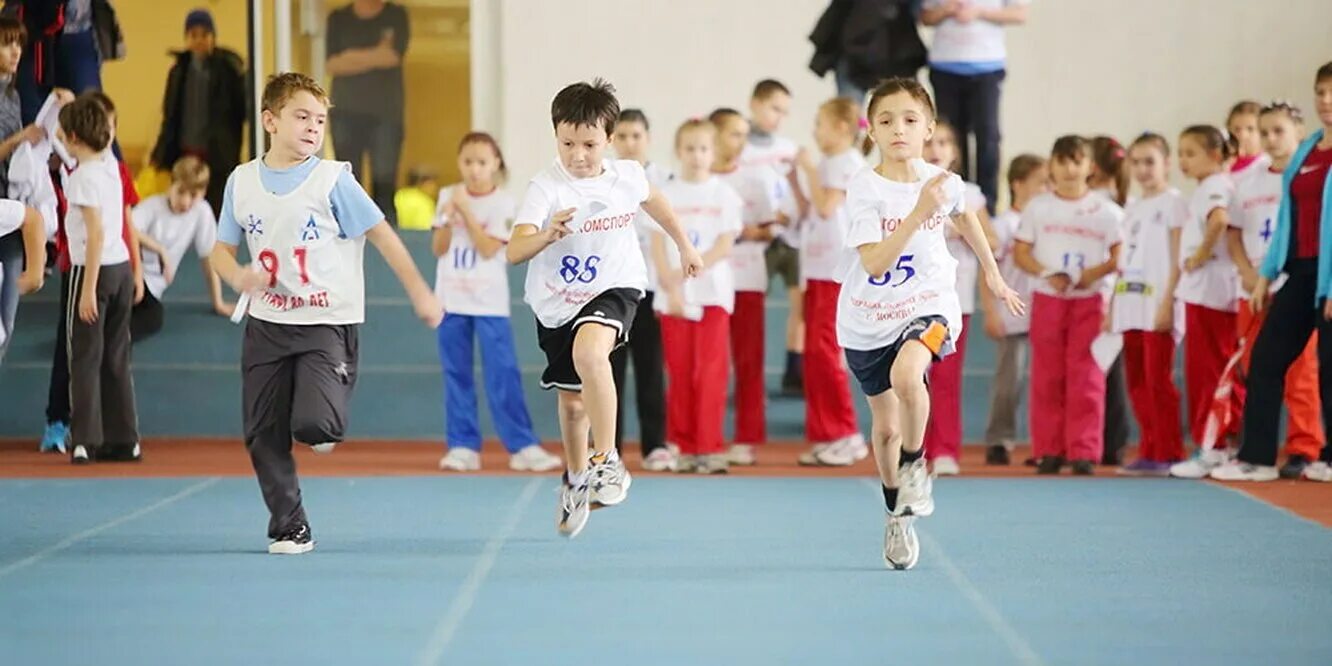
(873, 368)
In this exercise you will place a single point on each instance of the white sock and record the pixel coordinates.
(609, 456)
(577, 479)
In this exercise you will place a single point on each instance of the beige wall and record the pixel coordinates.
(436, 69)
(1078, 66)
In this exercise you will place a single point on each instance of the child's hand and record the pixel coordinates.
(88, 305)
(674, 304)
(1060, 282)
(1194, 262)
(224, 308)
(168, 271)
(446, 212)
(428, 309)
(966, 13)
(460, 200)
(63, 95)
(1006, 295)
(691, 263)
(251, 278)
(558, 228)
(1248, 278)
(138, 289)
(1258, 298)
(31, 280)
(1164, 321)
(932, 196)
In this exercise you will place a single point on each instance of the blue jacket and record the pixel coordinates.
(1279, 250)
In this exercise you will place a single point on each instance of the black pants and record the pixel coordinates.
(1292, 317)
(357, 135)
(296, 382)
(57, 395)
(649, 378)
(971, 104)
(1116, 431)
(101, 389)
(147, 317)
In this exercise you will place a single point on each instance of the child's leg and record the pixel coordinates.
(649, 376)
(573, 431)
(57, 395)
(678, 345)
(908, 380)
(619, 368)
(711, 367)
(455, 353)
(1304, 431)
(886, 435)
(1159, 360)
(119, 413)
(1005, 391)
(1084, 406)
(266, 398)
(1115, 426)
(829, 414)
(943, 434)
(1140, 393)
(1208, 345)
(592, 347)
(11, 267)
(86, 346)
(323, 377)
(747, 334)
(1046, 406)
(504, 387)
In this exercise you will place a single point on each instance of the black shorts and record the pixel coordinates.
(614, 308)
(873, 368)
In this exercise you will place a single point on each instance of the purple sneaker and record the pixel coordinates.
(1144, 467)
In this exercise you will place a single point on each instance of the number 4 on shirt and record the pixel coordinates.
(268, 259)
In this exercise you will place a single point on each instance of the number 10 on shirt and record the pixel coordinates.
(268, 259)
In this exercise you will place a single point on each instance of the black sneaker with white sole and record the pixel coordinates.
(119, 453)
(295, 541)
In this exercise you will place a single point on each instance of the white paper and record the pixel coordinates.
(1105, 349)
(242, 305)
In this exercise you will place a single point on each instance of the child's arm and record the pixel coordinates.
(932, 16)
(982, 244)
(427, 307)
(151, 244)
(1165, 310)
(878, 258)
(1217, 222)
(92, 218)
(656, 205)
(825, 199)
(1247, 273)
(486, 245)
(240, 278)
(528, 239)
(802, 204)
(719, 251)
(1091, 275)
(220, 306)
(441, 237)
(34, 251)
(136, 257)
(1024, 258)
(31, 134)
(667, 277)
(987, 227)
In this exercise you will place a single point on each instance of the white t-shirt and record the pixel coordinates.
(873, 311)
(11, 216)
(708, 211)
(1144, 263)
(176, 232)
(761, 190)
(1213, 284)
(777, 153)
(975, 42)
(968, 266)
(602, 251)
(1076, 235)
(1254, 211)
(644, 225)
(96, 183)
(470, 283)
(1005, 228)
(823, 241)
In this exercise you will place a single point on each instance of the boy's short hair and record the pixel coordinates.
(769, 87)
(583, 103)
(88, 121)
(190, 174)
(12, 31)
(634, 116)
(282, 87)
(101, 98)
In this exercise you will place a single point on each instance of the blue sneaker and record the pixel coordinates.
(53, 440)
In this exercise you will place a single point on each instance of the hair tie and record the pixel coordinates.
(862, 123)
(1119, 153)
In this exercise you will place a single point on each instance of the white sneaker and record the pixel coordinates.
(845, 451)
(572, 512)
(80, 455)
(610, 482)
(324, 449)
(810, 458)
(901, 547)
(1319, 471)
(1236, 470)
(1200, 465)
(741, 454)
(660, 460)
(459, 459)
(946, 466)
(915, 496)
(531, 458)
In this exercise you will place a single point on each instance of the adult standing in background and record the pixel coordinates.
(67, 43)
(366, 43)
(865, 41)
(967, 68)
(203, 108)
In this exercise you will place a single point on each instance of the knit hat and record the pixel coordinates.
(200, 18)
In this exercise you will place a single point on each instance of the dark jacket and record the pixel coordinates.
(226, 111)
(877, 39)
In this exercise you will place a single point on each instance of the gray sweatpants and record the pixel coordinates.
(296, 383)
(101, 389)
(1010, 374)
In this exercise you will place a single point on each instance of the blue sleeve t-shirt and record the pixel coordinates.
(353, 209)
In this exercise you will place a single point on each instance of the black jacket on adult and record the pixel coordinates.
(226, 117)
(876, 38)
